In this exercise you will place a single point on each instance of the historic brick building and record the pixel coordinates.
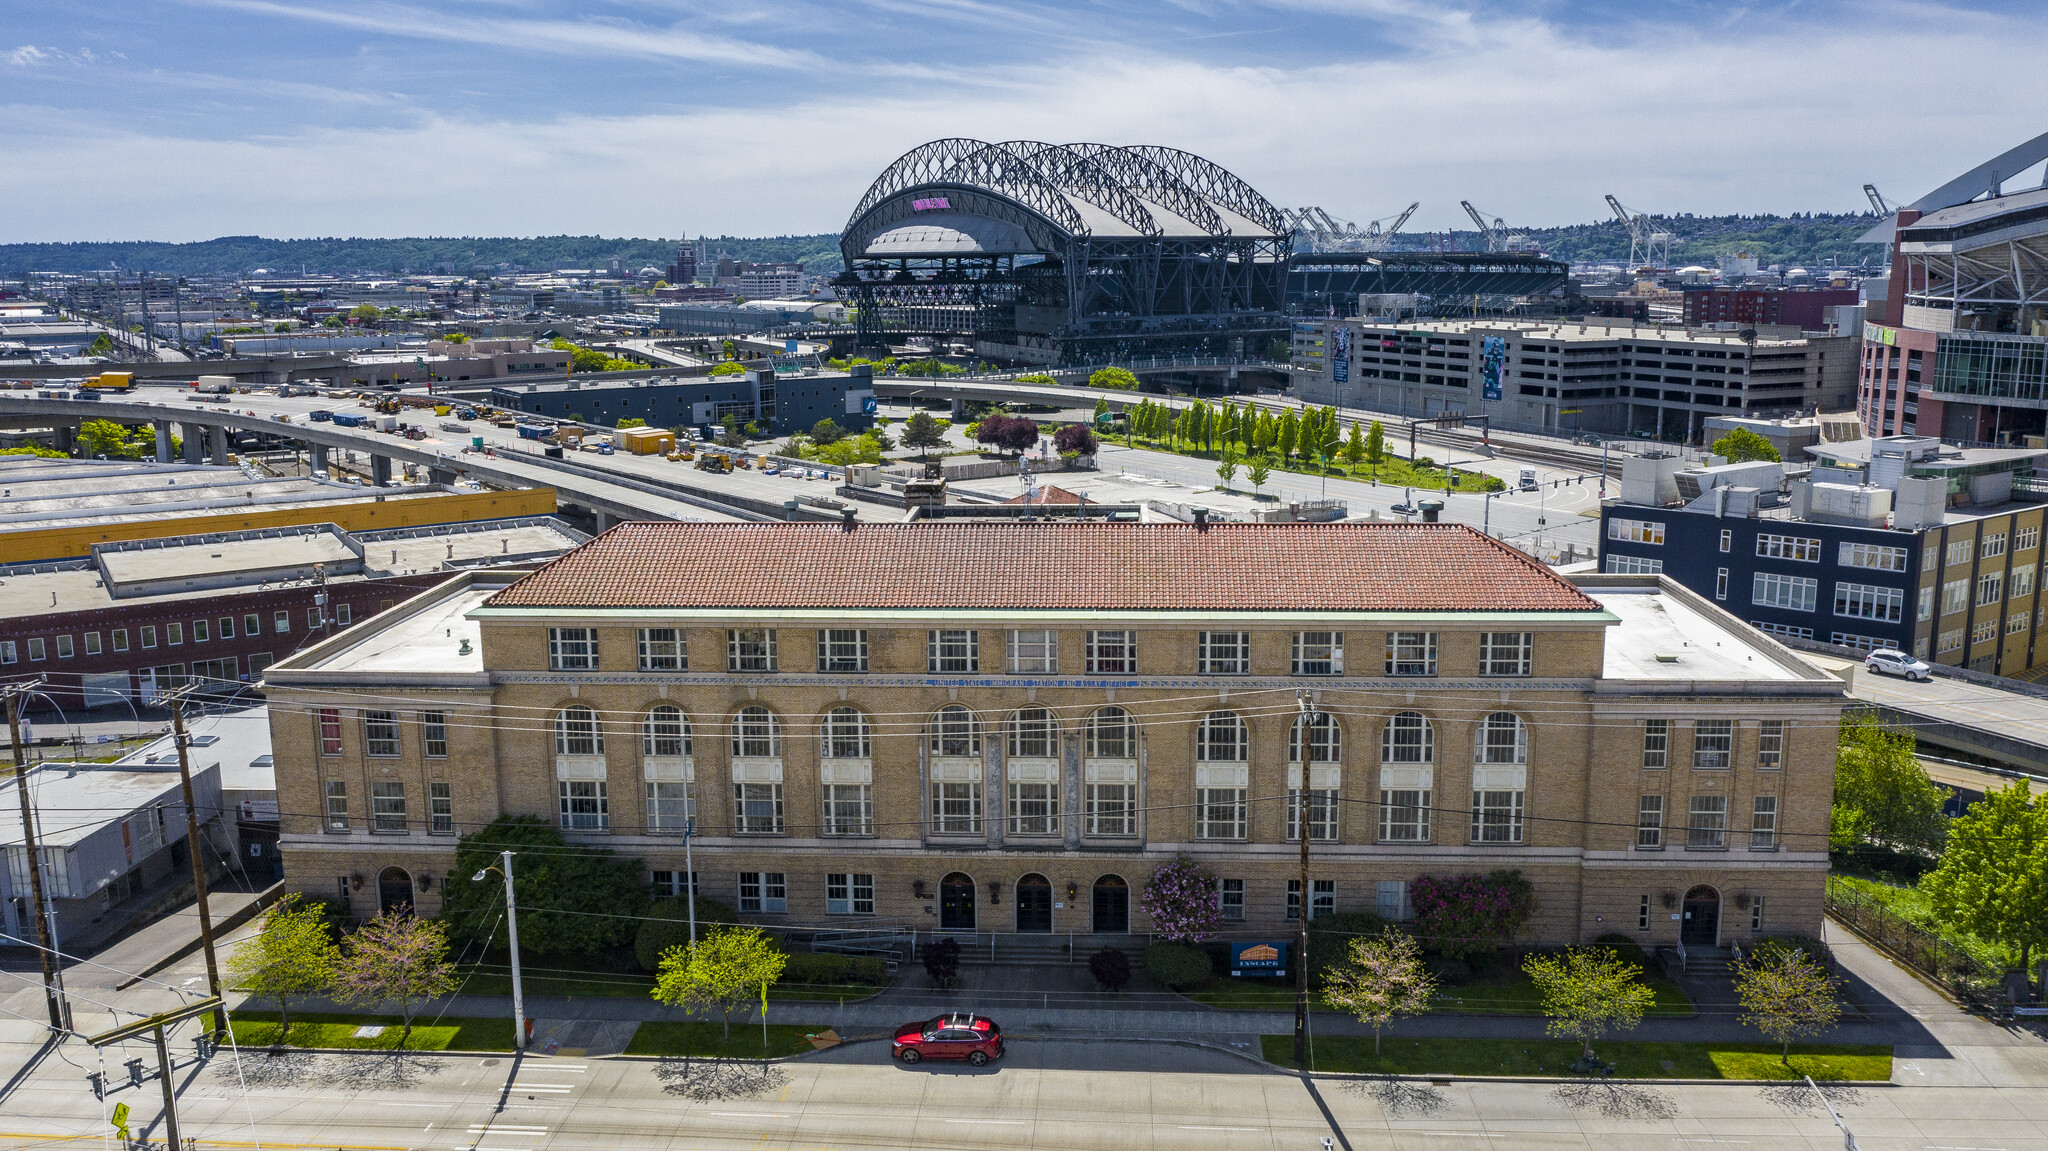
(1007, 727)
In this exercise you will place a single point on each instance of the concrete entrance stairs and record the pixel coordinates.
(1043, 950)
(1708, 960)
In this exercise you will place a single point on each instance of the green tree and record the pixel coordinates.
(552, 884)
(1121, 379)
(1380, 979)
(1588, 992)
(1786, 995)
(1993, 878)
(1376, 447)
(631, 422)
(106, 438)
(923, 432)
(365, 313)
(1742, 444)
(1227, 469)
(1327, 436)
(827, 431)
(1101, 411)
(1266, 433)
(728, 368)
(1354, 447)
(102, 346)
(1258, 473)
(1289, 433)
(396, 958)
(1881, 790)
(730, 434)
(729, 968)
(292, 956)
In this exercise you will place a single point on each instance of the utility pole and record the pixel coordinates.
(690, 877)
(192, 844)
(1308, 714)
(14, 692)
(512, 936)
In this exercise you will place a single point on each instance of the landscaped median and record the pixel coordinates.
(347, 1032)
(1542, 1058)
(1507, 992)
(708, 1039)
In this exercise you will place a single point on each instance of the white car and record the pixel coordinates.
(1891, 662)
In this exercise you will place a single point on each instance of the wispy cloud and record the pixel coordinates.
(31, 55)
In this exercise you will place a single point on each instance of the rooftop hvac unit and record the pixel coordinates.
(1861, 506)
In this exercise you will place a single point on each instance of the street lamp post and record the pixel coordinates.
(512, 936)
(1301, 824)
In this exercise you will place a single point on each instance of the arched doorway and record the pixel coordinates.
(1112, 906)
(394, 890)
(1034, 903)
(956, 903)
(1702, 924)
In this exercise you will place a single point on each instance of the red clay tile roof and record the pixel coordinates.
(1046, 494)
(1084, 566)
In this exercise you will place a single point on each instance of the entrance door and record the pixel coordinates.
(956, 903)
(1034, 903)
(1702, 926)
(1112, 906)
(394, 890)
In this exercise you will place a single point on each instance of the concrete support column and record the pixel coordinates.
(319, 456)
(219, 438)
(67, 440)
(192, 434)
(163, 442)
(959, 409)
(604, 519)
(380, 470)
(442, 475)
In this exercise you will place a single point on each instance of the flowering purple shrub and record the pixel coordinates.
(1180, 898)
(1464, 915)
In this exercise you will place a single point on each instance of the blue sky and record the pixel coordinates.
(186, 119)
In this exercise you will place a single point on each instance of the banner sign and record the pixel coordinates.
(1260, 958)
(1493, 359)
(1340, 353)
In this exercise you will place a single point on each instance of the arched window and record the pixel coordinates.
(846, 734)
(1503, 739)
(1112, 735)
(1324, 740)
(954, 732)
(1408, 738)
(577, 732)
(1032, 734)
(665, 732)
(1223, 738)
(755, 734)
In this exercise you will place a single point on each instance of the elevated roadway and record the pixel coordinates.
(2003, 721)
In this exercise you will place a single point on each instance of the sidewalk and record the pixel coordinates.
(1940, 1044)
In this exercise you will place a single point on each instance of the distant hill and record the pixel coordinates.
(237, 255)
(1803, 238)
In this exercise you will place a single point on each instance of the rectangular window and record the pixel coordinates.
(92, 643)
(1318, 653)
(1930, 556)
(572, 648)
(1656, 742)
(282, 622)
(1955, 596)
(2016, 623)
(387, 807)
(674, 884)
(1112, 808)
(1990, 588)
(1949, 641)
(1633, 565)
(440, 809)
(1112, 652)
(227, 627)
(1643, 914)
(1777, 547)
(1230, 899)
(1720, 583)
(1770, 745)
(956, 807)
(1763, 824)
(63, 647)
(1635, 531)
(1497, 816)
(1322, 815)
(1404, 815)
(1926, 603)
(1708, 828)
(1219, 812)
(1034, 808)
(1506, 652)
(174, 634)
(1756, 913)
(1870, 601)
(2022, 583)
(763, 893)
(380, 733)
(1713, 740)
(952, 651)
(1792, 593)
(1322, 898)
(1727, 540)
(330, 731)
(313, 619)
(2026, 538)
(1985, 631)
(757, 808)
(750, 649)
(336, 796)
(1650, 821)
(1033, 652)
(252, 625)
(148, 636)
(584, 805)
(198, 631)
(1411, 653)
(1223, 653)
(120, 639)
(664, 649)
(1993, 546)
(1391, 900)
(849, 809)
(1876, 557)
(1959, 551)
(849, 893)
(7, 651)
(843, 649)
(434, 733)
(671, 805)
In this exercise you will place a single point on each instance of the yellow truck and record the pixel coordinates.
(111, 382)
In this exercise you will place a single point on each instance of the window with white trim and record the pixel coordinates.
(1985, 631)
(1876, 557)
(380, 734)
(1959, 551)
(387, 807)
(1804, 549)
(1649, 822)
(1949, 641)
(1033, 652)
(750, 649)
(1863, 643)
(1112, 652)
(1497, 816)
(673, 884)
(334, 794)
(1792, 593)
(1926, 611)
(763, 893)
(952, 651)
(1631, 565)
(1870, 601)
(1955, 596)
(440, 810)
(1713, 742)
(1109, 772)
(1993, 545)
(1656, 742)
(2016, 622)
(578, 732)
(1506, 652)
(572, 648)
(1411, 653)
(1223, 653)
(1708, 826)
(584, 804)
(849, 893)
(1318, 653)
(1763, 823)
(1635, 531)
(1230, 899)
(664, 649)
(2022, 581)
(1322, 898)
(2026, 538)
(1770, 745)
(1990, 588)
(434, 734)
(843, 649)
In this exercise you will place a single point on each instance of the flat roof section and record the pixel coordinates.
(413, 639)
(75, 804)
(1663, 637)
(211, 563)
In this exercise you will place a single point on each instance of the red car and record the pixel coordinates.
(975, 1038)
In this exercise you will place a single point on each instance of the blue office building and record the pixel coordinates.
(782, 403)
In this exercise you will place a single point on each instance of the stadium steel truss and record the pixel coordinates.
(1068, 253)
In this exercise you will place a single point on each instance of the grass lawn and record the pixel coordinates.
(1552, 1057)
(259, 1029)
(1510, 992)
(1394, 471)
(665, 1038)
(628, 985)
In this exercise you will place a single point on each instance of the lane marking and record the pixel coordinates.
(1684, 1139)
(1471, 1134)
(752, 1114)
(991, 1122)
(1184, 1127)
(506, 1127)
